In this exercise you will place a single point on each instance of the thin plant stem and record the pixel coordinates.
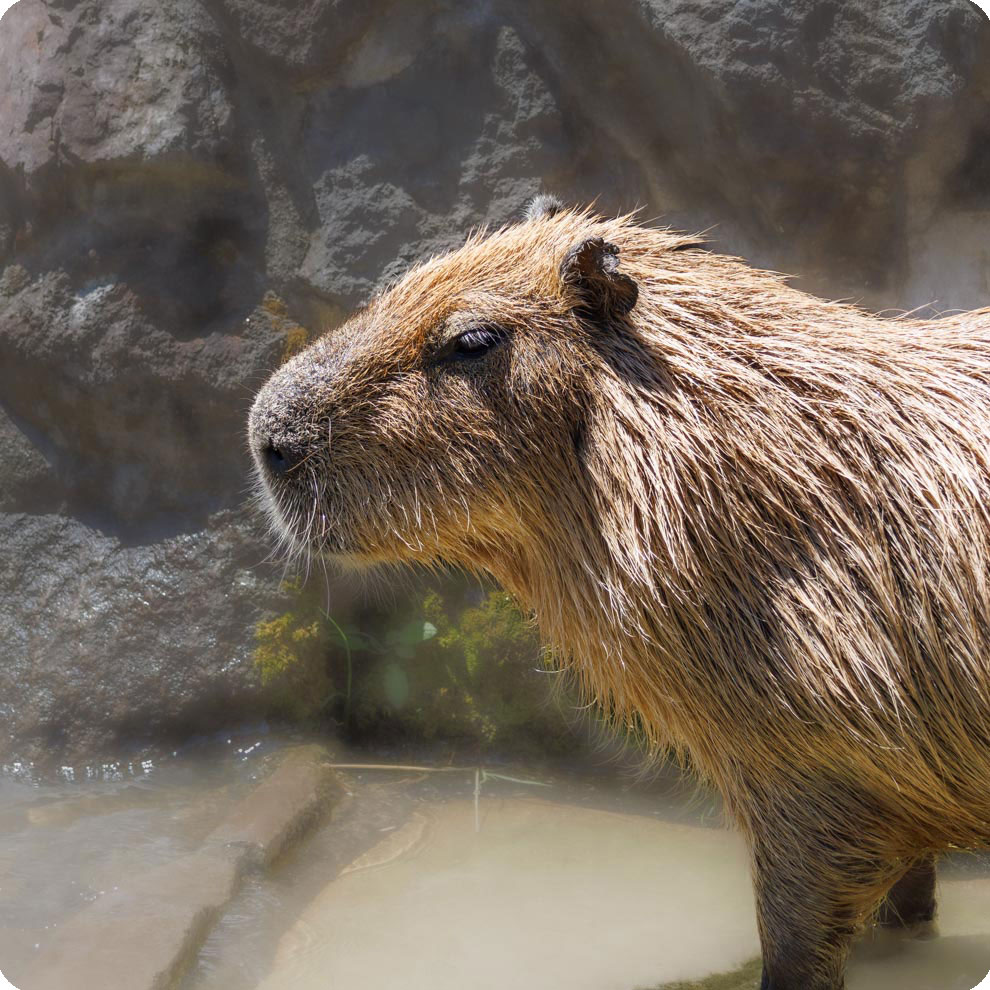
(350, 667)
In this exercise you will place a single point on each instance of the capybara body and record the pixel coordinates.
(754, 524)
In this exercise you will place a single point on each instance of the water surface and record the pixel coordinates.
(441, 881)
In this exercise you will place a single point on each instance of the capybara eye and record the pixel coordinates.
(476, 342)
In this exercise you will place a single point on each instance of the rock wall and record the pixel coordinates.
(187, 184)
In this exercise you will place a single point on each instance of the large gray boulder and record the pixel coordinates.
(185, 184)
(147, 641)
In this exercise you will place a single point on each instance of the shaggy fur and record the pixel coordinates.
(756, 525)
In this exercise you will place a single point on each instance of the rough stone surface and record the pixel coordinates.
(186, 183)
(147, 639)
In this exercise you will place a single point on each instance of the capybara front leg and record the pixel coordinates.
(811, 901)
(910, 903)
(801, 949)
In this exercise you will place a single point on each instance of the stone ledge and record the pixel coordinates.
(279, 810)
(143, 936)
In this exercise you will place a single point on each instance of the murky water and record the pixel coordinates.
(568, 896)
(441, 881)
(549, 893)
(389, 819)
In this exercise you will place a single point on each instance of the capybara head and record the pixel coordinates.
(440, 421)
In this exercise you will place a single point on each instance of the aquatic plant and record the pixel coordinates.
(747, 977)
(460, 666)
(290, 656)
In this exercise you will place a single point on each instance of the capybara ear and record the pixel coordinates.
(591, 269)
(543, 205)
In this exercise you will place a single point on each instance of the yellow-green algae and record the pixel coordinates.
(455, 665)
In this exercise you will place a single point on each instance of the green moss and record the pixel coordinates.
(448, 667)
(296, 336)
(745, 978)
(290, 656)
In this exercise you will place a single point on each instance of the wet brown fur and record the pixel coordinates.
(754, 524)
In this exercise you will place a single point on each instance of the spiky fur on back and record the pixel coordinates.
(792, 500)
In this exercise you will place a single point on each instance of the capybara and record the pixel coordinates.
(754, 524)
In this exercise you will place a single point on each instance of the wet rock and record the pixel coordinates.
(281, 809)
(186, 185)
(105, 642)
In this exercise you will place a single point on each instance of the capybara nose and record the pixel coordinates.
(280, 458)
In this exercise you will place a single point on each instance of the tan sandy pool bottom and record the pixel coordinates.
(545, 895)
(551, 896)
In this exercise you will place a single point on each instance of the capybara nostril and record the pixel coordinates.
(280, 458)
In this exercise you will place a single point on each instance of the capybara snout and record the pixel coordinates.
(283, 429)
(751, 523)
